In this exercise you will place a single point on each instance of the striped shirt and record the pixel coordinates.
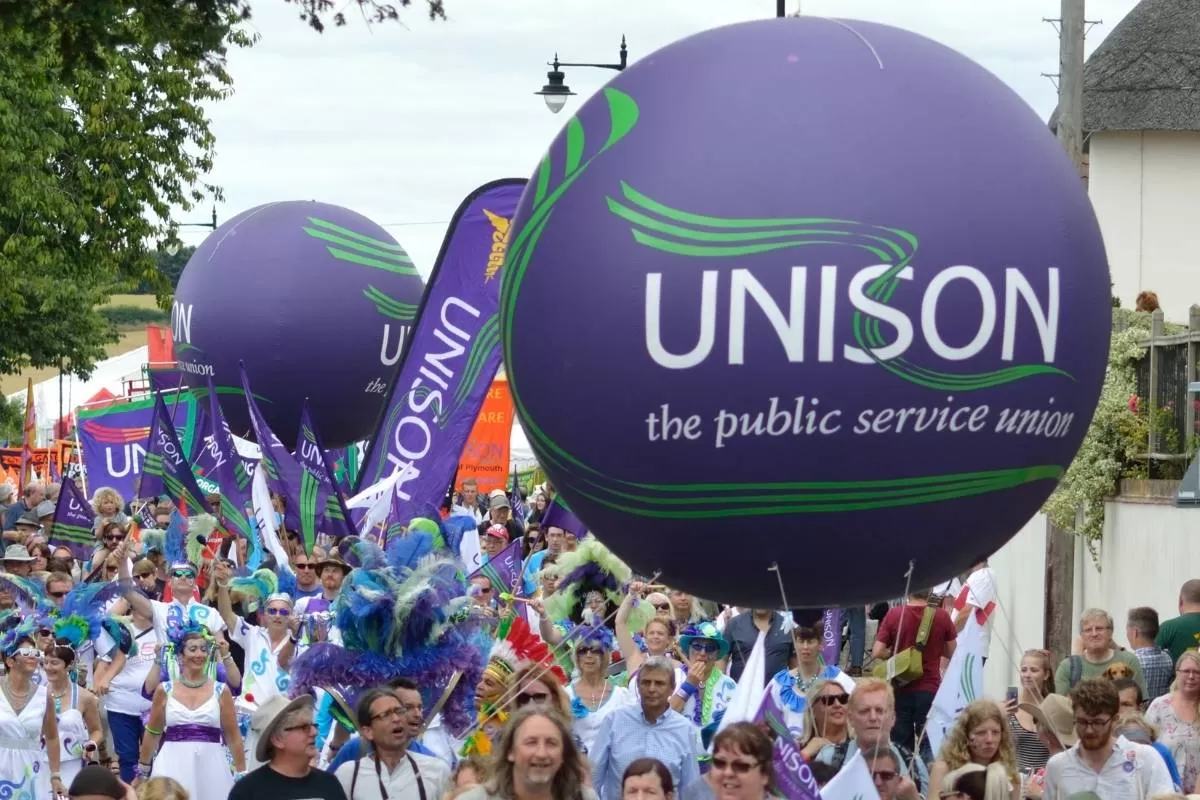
(1031, 751)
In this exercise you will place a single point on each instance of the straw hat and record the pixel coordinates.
(1055, 714)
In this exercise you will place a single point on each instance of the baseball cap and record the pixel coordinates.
(498, 499)
(498, 532)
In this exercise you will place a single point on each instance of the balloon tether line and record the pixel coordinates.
(779, 577)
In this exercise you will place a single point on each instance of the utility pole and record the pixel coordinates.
(1059, 621)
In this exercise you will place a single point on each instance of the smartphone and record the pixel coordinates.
(1011, 694)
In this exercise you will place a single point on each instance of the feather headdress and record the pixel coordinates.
(596, 634)
(153, 540)
(80, 619)
(400, 621)
(27, 593)
(591, 567)
(516, 647)
(26, 628)
(256, 587)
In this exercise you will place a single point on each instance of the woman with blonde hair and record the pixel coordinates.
(162, 789)
(826, 717)
(1037, 683)
(1177, 717)
(1134, 727)
(980, 736)
(977, 782)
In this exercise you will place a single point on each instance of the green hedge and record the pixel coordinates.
(124, 316)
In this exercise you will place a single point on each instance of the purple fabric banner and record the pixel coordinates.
(450, 358)
(167, 470)
(793, 777)
(558, 515)
(113, 440)
(227, 471)
(313, 457)
(503, 571)
(166, 379)
(72, 525)
(831, 637)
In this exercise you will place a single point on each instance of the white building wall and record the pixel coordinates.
(1145, 187)
(1148, 551)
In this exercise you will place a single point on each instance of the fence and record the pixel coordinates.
(1163, 377)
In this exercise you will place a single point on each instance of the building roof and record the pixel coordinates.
(1145, 76)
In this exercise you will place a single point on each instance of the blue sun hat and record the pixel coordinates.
(705, 631)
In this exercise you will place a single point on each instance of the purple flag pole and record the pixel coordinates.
(831, 637)
(450, 358)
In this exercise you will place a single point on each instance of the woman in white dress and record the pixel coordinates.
(592, 696)
(195, 720)
(29, 748)
(77, 710)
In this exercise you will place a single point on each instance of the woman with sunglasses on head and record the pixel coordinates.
(269, 648)
(657, 636)
(30, 759)
(194, 721)
(980, 736)
(789, 687)
(977, 782)
(826, 717)
(742, 765)
(592, 696)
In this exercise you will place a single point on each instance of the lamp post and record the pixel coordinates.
(556, 91)
(172, 246)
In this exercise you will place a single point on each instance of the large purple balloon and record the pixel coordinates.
(315, 299)
(814, 293)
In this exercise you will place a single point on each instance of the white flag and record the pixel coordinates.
(961, 685)
(747, 697)
(264, 512)
(853, 782)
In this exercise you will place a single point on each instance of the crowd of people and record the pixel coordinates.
(161, 666)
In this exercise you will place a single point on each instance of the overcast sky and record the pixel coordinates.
(400, 122)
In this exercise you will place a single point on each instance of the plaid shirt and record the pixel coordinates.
(1157, 669)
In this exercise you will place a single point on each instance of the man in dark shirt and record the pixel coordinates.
(742, 632)
(287, 745)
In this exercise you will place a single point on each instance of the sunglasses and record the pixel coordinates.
(886, 776)
(738, 767)
(705, 647)
(303, 726)
(28, 652)
(587, 649)
(57, 595)
(113, 538)
(306, 566)
(662, 606)
(525, 698)
(183, 574)
(830, 699)
(279, 612)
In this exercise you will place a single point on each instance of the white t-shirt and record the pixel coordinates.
(262, 679)
(195, 612)
(125, 689)
(1132, 772)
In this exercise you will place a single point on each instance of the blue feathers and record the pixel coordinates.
(175, 539)
(404, 552)
(26, 593)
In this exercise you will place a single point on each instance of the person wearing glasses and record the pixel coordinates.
(591, 694)
(269, 648)
(387, 720)
(287, 746)
(182, 609)
(1100, 762)
(826, 717)
(887, 773)
(657, 636)
(30, 759)
(706, 690)
(789, 687)
(742, 764)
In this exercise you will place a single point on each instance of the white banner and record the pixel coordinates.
(961, 685)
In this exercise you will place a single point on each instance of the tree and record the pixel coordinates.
(12, 420)
(94, 154)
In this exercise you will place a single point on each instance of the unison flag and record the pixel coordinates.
(314, 458)
(793, 776)
(504, 570)
(113, 440)
(228, 472)
(167, 465)
(558, 515)
(451, 357)
(73, 521)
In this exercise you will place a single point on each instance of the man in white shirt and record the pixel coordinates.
(387, 719)
(977, 595)
(1101, 763)
(470, 506)
(181, 610)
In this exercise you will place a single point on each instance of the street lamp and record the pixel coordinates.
(172, 246)
(556, 91)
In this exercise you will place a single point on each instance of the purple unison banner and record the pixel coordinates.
(831, 636)
(451, 357)
(793, 777)
(113, 439)
(73, 520)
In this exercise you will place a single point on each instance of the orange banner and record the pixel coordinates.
(61, 452)
(160, 346)
(485, 457)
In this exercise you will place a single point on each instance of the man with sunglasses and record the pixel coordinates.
(182, 609)
(1109, 766)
